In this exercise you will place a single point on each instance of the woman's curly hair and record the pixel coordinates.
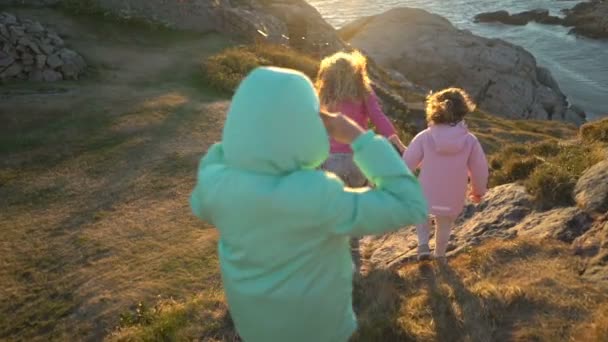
(448, 106)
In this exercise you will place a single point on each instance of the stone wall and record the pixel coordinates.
(30, 51)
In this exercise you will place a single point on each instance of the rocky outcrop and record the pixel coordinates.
(29, 51)
(591, 191)
(594, 247)
(506, 212)
(538, 15)
(306, 28)
(430, 51)
(289, 22)
(564, 224)
(589, 19)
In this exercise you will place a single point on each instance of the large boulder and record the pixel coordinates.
(589, 19)
(306, 28)
(564, 224)
(591, 191)
(503, 208)
(430, 51)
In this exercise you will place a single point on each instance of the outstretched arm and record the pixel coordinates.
(414, 153)
(382, 123)
(478, 171)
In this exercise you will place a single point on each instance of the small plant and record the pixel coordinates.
(551, 185)
(512, 170)
(225, 70)
(546, 148)
(141, 315)
(285, 57)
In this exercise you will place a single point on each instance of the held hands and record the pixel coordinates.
(475, 198)
(341, 128)
(394, 139)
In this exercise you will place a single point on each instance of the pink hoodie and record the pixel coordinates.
(361, 113)
(447, 156)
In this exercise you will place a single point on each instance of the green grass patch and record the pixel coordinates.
(552, 186)
(224, 71)
(204, 317)
(548, 169)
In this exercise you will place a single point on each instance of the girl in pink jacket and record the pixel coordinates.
(344, 87)
(447, 155)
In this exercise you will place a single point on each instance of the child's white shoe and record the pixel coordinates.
(424, 252)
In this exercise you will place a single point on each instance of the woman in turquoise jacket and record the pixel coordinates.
(285, 225)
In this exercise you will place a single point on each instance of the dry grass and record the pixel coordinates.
(495, 132)
(94, 181)
(501, 291)
(595, 131)
(204, 317)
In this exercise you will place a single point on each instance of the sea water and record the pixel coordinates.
(580, 65)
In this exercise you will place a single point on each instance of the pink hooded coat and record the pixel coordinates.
(447, 156)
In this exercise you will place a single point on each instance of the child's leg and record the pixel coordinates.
(443, 228)
(356, 254)
(424, 232)
(343, 166)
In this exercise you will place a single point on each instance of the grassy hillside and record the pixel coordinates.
(99, 242)
(94, 181)
(502, 291)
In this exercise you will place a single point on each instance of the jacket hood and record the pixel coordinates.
(449, 139)
(273, 124)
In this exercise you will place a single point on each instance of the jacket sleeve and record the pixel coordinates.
(375, 114)
(207, 166)
(478, 170)
(414, 153)
(396, 200)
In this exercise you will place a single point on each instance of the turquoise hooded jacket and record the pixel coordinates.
(284, 225)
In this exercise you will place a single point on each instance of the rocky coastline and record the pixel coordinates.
(428, 50)
(589, 19)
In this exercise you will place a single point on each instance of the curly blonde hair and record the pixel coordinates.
(448, 106)
(343, 77)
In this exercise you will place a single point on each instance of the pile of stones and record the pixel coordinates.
(29, 51)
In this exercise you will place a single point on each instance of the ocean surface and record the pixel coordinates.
(580, 65)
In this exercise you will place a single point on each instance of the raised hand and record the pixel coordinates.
(341, 128)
